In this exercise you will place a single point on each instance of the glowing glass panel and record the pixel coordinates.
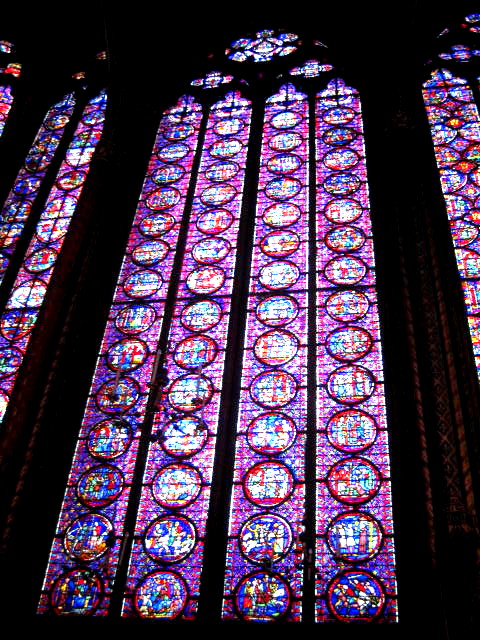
(116, 406)
(195, 363)
(6, 101)
(27, 184)
(351, 405)
(30, 286)
(455, 126)
(269, 459)
(310, 69)
(265, 46)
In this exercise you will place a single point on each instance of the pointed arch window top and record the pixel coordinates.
(310, 69)
(443, 77)
(265, 46)
(286, 95)
(212, 80)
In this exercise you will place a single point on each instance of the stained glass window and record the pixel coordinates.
(243, 334)
(455, 126)
(31, 284)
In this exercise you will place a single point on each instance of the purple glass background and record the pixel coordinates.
(455, 126)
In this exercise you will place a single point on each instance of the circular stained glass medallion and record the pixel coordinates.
(350, 384)
(341, 184)
(88, 537)
(271, 433)
(168, 173)
(287, 141)
(176, 485)
(163, 198)
(273, 389)
(29, 294)
(279, 274)
(347, 306)
(345, 270)
(228, 126)
(280, 243)
(169, 539)
(211, 250)
(52, 229)
(354, 537)
(40, 260)
(162, 594)
(351, 430)
(353, 480)
(218, 194)
(281, 214)
(341, 159)
(339, 136)
(109, 439)
(338, 115)
(262, 597)
(173, 152)
(221, 171)
(127, 354)
(225, 148)
(71, 179)
(285, 120)
(195, 351)
(284, 163)
(150, 252)
(190, 392)
(276, 311)
(184, 436)
(283, 188)
(214, 221)
(99, 486)
(355, 596)
(142, 284)
(201, 316)
(135, 318)
(268, 484)
(265, 538)
(156, 224)
(343, 210)
(76, 592)
(345, 239)
(16, 324)
(205, 280)
(26, 186)
(275, 347)
(115, 396)
(10, 360)
(349, 343)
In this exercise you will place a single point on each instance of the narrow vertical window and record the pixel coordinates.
(30, 287)
(91, 528)
(263, 579)
(355, 554)
(18, 204)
